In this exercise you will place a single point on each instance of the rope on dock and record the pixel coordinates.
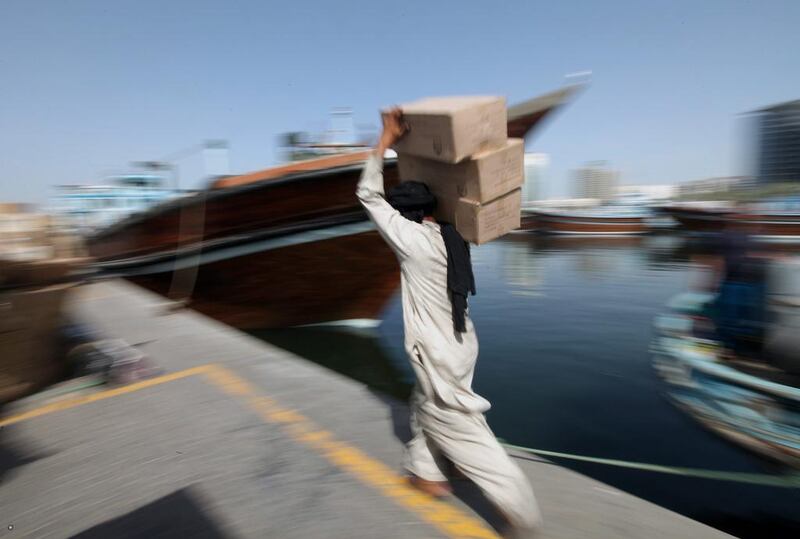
(784, 481)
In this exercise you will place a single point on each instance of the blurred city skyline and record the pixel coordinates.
(95, 86)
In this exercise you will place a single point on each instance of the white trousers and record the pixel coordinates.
(467, 441)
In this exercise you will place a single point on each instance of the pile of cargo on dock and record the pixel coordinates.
(38, 267)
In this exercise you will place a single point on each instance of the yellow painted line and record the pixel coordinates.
(446, 518)
(102, 395)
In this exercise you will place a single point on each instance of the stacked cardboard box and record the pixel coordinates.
(458, 146)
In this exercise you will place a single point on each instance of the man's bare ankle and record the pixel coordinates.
(437, 489)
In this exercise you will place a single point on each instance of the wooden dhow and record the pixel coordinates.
(285, 246)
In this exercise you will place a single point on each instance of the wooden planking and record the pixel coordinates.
(292, 168)
(348, 277)
(272, 204)
(583, 224)
(592, 228)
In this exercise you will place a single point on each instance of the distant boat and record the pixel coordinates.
(626, 215)
(84, 209)
(771, 221)
(285, 246)
(590, 222)
(696, 218)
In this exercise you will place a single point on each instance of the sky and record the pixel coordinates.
(87, 87)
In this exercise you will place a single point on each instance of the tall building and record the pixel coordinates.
(535, 167)
(596, 180)
(779, 143)
(647, 191)
(709, 186)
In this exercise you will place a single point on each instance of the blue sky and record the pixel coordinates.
(89, 86)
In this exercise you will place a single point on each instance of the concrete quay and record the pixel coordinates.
(239, 439)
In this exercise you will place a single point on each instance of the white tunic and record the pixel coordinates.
(443, 359)
(446, 415)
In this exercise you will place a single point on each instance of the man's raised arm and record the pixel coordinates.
(395, 229)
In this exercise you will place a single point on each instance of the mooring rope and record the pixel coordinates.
(784, 481)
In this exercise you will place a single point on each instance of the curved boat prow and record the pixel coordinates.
(523, 117)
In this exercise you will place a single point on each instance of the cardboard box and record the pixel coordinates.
(486, 176)
(480, 223)
(450, 129)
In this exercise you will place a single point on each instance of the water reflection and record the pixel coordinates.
(593, 256)
(595, 253)
(521, 269)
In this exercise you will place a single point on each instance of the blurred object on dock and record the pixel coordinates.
(29, 319)
(32, 294)
(113, 361)
(39, 264)
(284, 246)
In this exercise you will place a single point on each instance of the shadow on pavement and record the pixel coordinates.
(178, 514)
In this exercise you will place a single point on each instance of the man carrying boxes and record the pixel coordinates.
(476, 200)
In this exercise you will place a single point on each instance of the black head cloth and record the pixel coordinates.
(412, 199)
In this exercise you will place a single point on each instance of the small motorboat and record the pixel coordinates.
(752, 402)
